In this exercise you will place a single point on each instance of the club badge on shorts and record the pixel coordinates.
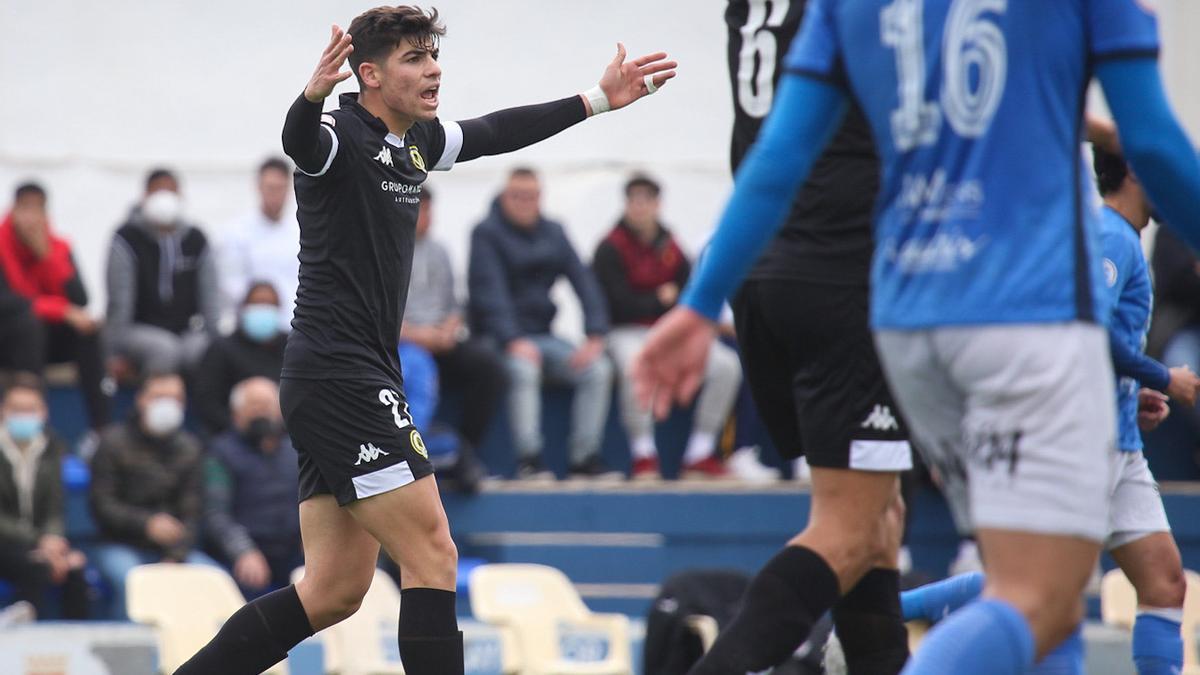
(418, 443)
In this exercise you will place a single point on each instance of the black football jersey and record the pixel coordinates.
(827, 237)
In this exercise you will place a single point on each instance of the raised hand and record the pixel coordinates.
(329, 70)
(670, 367)
(625, 82)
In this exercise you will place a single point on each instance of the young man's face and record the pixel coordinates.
(408, 81)
(520, 201)
(641, 208)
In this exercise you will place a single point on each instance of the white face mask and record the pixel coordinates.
(162, 208)
(163, 417)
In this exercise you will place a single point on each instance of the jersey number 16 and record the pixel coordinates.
(974, 67)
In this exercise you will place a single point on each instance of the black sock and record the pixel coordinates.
(430, 642)
(779, 609)
(870, 626)
(256, 637)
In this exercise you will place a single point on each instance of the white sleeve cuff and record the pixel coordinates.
(454, 143)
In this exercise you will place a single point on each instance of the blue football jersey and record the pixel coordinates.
(1129, 296)
(985, 212)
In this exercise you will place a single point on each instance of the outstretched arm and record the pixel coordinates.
(514, 128)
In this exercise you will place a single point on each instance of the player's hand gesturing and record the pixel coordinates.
(670, 367)
(329, 70)
(625, 82)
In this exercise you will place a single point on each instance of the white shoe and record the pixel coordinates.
(744, 464)
(800, 471)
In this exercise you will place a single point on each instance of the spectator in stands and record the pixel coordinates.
(163, 297)
(433, 321)
(20, 348)
(40, 266)
(516, 256)
(251, 483)
(146, 487)
(253, 349)
(263, 244)
(641, 271)
(34, 553)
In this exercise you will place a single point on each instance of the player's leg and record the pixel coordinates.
(1038, 423)
(411, 525)
(1152, 563)
(624, 343)
(854, 521)
(338, 567)
(1142, 545)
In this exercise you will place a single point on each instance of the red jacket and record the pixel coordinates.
(51, 283)
(630, 272)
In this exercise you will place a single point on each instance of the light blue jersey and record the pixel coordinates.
(976, 108)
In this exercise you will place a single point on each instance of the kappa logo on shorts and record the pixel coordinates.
(367, 452)
(881, 419)
(384, 157)
(418, 443)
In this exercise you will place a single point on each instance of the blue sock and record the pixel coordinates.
(1066, 659)
(1157, 645)
(933, 602)
(988, 637)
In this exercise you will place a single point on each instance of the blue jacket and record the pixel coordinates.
(510, 275)
(251, 495)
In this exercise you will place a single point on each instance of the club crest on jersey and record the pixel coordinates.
(417, 160)
(1110, 272)
(418, 443)
(384, 157)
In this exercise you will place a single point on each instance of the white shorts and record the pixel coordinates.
(1018, 421)
(1136, 507)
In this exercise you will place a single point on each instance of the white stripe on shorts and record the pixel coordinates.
(383, 480)
(880, 455)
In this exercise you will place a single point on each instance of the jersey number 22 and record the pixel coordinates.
(974, 68)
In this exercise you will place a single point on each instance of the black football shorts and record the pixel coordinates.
(355, 438)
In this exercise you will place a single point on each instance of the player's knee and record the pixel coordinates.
(335, 598)
(1166, 589)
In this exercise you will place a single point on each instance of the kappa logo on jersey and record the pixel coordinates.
(384, 157)
(881, 419)
(367, 452)
(417, 160)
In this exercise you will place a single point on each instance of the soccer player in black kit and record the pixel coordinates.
(365, 479)
(809, 358)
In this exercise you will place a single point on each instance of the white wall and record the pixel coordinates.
(94, 93)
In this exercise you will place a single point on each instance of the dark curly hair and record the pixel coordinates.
(376, 32)
(1110, 170)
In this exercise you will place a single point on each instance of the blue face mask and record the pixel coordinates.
(260, 322)
(23, 427)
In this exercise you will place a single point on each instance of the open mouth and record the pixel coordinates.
(431, 94)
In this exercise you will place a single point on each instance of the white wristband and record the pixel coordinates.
(598, 100)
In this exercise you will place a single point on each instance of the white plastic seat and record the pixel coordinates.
(555, 631)
(187, 604)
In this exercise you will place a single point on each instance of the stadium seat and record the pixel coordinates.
(1118, 607)
(365, 643)
(186, 604)
(556, 632)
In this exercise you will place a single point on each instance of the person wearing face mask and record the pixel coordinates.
(146, 487)
(34, 554)
(253, 349)
(251, 480)
(164, 300)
